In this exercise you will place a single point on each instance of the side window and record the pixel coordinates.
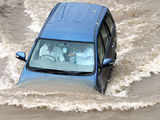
(100, 49)
(109, 22)
(105, 35)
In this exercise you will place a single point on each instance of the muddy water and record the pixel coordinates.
(151, 113)
(138, 28)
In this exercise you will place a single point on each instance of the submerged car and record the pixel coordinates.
(77, 43)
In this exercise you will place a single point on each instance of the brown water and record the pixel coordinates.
(133, 91)
(10, 112)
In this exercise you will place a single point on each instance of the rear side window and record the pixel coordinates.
(105, 35)
(109, 22)
(100, 49)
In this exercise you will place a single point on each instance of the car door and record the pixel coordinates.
(103, 51)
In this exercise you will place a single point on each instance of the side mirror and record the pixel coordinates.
(107, 62)
(21, 56)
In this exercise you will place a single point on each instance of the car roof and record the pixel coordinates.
(73, 21)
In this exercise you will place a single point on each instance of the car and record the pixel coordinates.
(76, 44)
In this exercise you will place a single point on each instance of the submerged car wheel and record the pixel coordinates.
(115, 56)
(108, 78)
(104, 90)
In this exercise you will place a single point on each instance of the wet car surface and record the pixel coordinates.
(71, 46)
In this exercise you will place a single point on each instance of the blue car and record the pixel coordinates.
(77, 44)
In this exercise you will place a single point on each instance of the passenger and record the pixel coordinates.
(44, 50)
(69, 53)
(86, 55)
(57, 52)
(52, 51)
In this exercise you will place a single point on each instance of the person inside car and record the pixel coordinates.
(52, 52)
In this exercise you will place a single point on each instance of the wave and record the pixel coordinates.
(138, 58)
(60, 101)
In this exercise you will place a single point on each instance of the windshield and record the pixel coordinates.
(63, 56)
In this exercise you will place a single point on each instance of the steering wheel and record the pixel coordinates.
(51, 58)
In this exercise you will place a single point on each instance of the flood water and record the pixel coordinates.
(135, 80)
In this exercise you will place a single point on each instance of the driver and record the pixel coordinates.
(53, 51)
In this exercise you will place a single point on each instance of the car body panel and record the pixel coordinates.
(29, 75)
(74, 22)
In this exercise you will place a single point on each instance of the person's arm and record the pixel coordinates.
(43, 50)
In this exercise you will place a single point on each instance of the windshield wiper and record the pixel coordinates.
(47, 70)
(81, 73)
(59, 71)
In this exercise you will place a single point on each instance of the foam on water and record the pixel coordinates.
(138, 57)
(10, 73)
(66, 102)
